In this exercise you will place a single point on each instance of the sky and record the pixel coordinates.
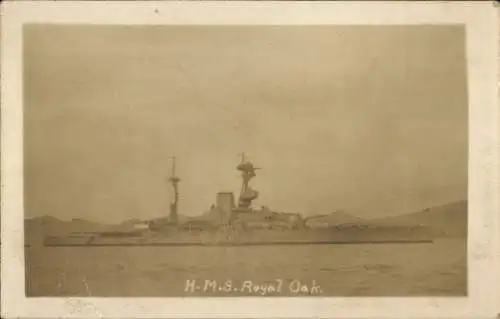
(371, 120)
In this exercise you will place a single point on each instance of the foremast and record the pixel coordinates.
(247, 194)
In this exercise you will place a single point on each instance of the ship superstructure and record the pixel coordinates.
(228, 212)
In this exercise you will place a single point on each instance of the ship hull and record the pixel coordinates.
(247, 238)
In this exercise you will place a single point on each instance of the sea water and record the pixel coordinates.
(432, 269)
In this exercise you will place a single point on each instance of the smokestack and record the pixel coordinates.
(225, 204)
(173, 213)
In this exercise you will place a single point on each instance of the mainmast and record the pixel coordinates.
(174, 180)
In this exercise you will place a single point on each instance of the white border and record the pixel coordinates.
(481, 22)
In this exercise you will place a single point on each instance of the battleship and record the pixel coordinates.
(235, 221)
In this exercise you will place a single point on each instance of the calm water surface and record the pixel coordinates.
(438, 269)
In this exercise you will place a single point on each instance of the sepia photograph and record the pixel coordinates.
(249, 161)
(245, 160)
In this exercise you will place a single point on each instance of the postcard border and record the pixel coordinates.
(482, 49)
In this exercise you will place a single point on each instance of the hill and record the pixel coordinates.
(36, 228)
(449, 219)
(53, 226)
